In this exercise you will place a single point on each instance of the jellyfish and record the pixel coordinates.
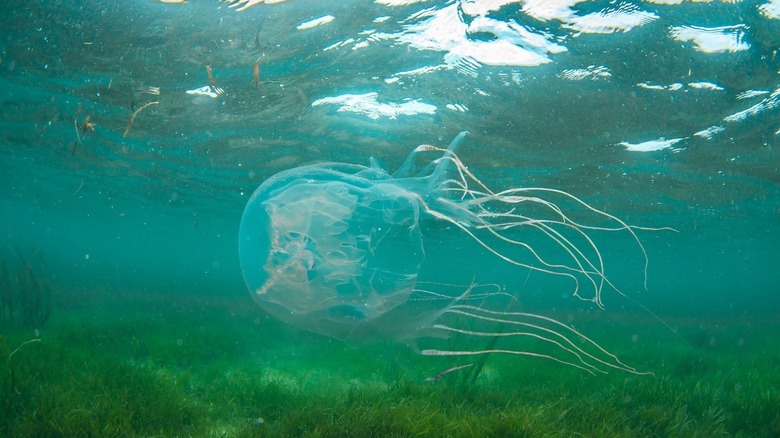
(339, 249)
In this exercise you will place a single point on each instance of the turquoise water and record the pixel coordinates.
(663, 115)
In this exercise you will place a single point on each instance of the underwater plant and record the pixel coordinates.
(338, 248)
(9, 359)
(28, 297)
(6, 293)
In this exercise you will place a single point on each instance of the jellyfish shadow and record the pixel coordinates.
(337, 249)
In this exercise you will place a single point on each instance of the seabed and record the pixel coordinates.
(151, 365)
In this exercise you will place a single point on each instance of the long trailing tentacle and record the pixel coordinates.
(489, 216)
(560, 335)
(573, 348)
(476, 199)
(465, 229)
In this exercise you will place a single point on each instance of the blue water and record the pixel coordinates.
(664, 115)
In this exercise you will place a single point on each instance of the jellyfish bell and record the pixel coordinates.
(338, 249)
(331, 247)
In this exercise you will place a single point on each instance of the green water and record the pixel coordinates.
(120, 252)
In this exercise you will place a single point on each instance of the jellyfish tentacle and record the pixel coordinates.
(429, 295)
(562, 241)
(436, 352)
(590, 356)
(477, 200)
(623, 225)
(544, 225)
(576, 254)
(506, 318)
(500, 255)
(595, 276)
(520, 334)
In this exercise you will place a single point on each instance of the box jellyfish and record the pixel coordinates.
(338, 248)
